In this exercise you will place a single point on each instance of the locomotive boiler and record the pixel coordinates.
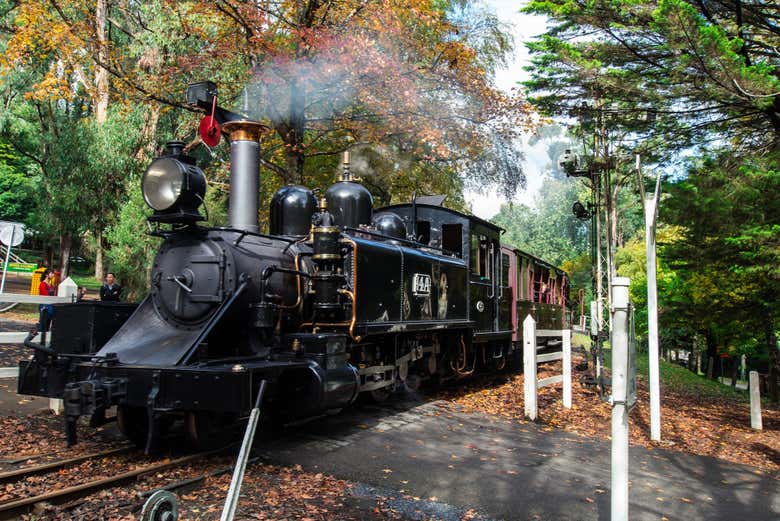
(336, 300)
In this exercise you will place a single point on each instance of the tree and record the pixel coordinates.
(17, 186)
(729, 252)
(704, 71)
(548, 229)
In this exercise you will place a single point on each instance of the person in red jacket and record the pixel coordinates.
(46, 288)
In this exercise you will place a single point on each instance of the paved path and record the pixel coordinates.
(453, 462)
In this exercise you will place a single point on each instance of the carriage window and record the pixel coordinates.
(522, 284)
(424, 232)
(542, 288)
(452, 238)
(504, 269)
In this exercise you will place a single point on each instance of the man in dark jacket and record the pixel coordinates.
(110, 291)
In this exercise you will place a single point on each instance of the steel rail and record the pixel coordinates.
(98, 484)
(47, 467)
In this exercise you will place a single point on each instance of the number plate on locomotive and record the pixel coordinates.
(421, 285)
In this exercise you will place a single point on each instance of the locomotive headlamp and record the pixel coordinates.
(163, 182)
(174, 187)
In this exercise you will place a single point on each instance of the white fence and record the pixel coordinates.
(19, 298)
(531, 359)
(66, 293)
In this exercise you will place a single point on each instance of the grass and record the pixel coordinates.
(675, 378)
(88, 281)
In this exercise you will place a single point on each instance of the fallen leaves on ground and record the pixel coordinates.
(42, 435)
(268, 492)
(703, 425)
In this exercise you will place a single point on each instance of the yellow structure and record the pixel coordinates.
(36, 280)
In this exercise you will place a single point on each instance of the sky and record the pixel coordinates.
(524, 27)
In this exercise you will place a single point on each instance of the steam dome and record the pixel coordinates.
(292, 207)
(390, 224)
(350, 203)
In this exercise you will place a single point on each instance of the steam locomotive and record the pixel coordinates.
(337, 300)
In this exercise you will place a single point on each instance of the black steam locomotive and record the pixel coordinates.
(336, 300)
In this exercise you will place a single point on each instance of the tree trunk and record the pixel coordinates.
(146, 151)
(66, 242)
(99, 255)
(101, 74)
(734, 372)
(49, 255)
(712, 355)
(774, 362)
(692, 355)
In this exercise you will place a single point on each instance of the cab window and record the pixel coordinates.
(452, 239)
(481, 261)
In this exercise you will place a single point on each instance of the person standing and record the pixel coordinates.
(46, 289)
(111, 290)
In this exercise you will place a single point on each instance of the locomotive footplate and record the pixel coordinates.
(226, 388)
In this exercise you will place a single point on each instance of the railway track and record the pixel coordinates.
(15, 506)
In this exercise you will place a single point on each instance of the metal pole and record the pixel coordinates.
(7, 256)
(529, 367)
(650, 202)
(567, 368)
(599, 267)
(619, 399)
(231, 502)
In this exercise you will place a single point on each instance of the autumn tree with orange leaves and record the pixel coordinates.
(405, 85)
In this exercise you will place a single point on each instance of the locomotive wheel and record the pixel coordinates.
(382, 394)
(133, 422)
(412, 383)
(161, 506)
(210, 430)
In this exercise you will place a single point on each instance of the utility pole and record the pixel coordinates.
(620, 398)
(650, 203)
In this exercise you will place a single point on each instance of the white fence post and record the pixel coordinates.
(567, 368)
(529, 367)
(67, 288)
(755, 403)
(619, 499)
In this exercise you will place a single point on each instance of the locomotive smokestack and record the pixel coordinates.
(244, 173)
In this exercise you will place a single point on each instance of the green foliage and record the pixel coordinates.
(548, 229)
(132, 250)
(726, 258)
(706, 71)
(17, 186)
(631, 261)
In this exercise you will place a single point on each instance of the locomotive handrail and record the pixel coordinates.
(215, 319)
(28, 342)
(244, 233)
(38, 347)
(270, 270)
(406, 241)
